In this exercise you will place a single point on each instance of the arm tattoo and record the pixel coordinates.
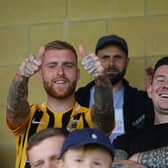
(126, 164)
(157, 158)
(17, 105)
(120, 155)
(102, 110)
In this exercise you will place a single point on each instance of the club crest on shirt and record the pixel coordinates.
(72, 125)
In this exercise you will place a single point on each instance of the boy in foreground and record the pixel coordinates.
(86, 148)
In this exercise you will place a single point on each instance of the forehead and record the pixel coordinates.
(162, 70)
(111, 49)
(51, 146)
(59, 55)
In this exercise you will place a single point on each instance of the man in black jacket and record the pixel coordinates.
(149, 146)
(133, 108)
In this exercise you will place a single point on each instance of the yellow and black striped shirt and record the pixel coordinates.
(40, 118)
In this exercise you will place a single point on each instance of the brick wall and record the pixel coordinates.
(26, 25)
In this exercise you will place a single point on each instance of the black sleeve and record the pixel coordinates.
(123, 142)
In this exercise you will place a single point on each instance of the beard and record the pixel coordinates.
(115, 78)
(60, 92)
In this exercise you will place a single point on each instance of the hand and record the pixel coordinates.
(29, 66)
(134, 157)
(91, 63)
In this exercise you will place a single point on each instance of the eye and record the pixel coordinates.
(118, 57)
(37, 165)
(78, 160)
(104, 57)
(97, 163)
(160, 79)
(52, 65)
(69, 65)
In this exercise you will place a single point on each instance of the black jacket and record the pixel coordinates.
(138, 108)
(143, 140)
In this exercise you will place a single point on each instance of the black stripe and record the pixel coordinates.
(27, 165)
(84, 121)
(77, 117)
(51, 119)
(37, 117)
(65, 118)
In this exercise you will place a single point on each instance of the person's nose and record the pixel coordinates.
(166, 84)
(88, 165)
(60, 70)
(111, 60)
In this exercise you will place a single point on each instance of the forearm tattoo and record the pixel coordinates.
(17, 105)
(126, 164)
(157, 158)
(120, 155)
(102, 110)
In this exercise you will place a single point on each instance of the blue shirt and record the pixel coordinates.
(118, 99)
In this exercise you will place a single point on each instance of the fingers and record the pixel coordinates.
(92, 64)
(82, 51)
(29, 66)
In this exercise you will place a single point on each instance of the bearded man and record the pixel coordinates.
(59, 72)
(133, 108)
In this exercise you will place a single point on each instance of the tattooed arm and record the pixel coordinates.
(120, 154)
(126, 164)
(103, 111)
(157, 158)
(17, 104)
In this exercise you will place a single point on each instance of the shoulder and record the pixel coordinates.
(82, 95)
(85, 88)
(130, 90)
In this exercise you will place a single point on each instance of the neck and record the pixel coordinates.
(161, 118)
(117, 86)
(60, 105)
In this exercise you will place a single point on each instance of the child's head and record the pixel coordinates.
(87, 148)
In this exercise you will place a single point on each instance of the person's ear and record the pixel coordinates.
(149, 90)
(78, 75)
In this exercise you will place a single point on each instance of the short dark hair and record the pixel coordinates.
(160, 62)
(60, 45)
(36, 138)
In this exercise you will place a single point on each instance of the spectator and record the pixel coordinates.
(44, 147)
(133, 108)
(87, 148)
(149, 146)
(57, 67)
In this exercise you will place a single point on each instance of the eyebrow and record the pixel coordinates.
(159, 75)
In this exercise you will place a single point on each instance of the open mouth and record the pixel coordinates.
(164, 95)
(60, 81)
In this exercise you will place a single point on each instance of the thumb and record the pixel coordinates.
(82, 51)
(41, 51)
